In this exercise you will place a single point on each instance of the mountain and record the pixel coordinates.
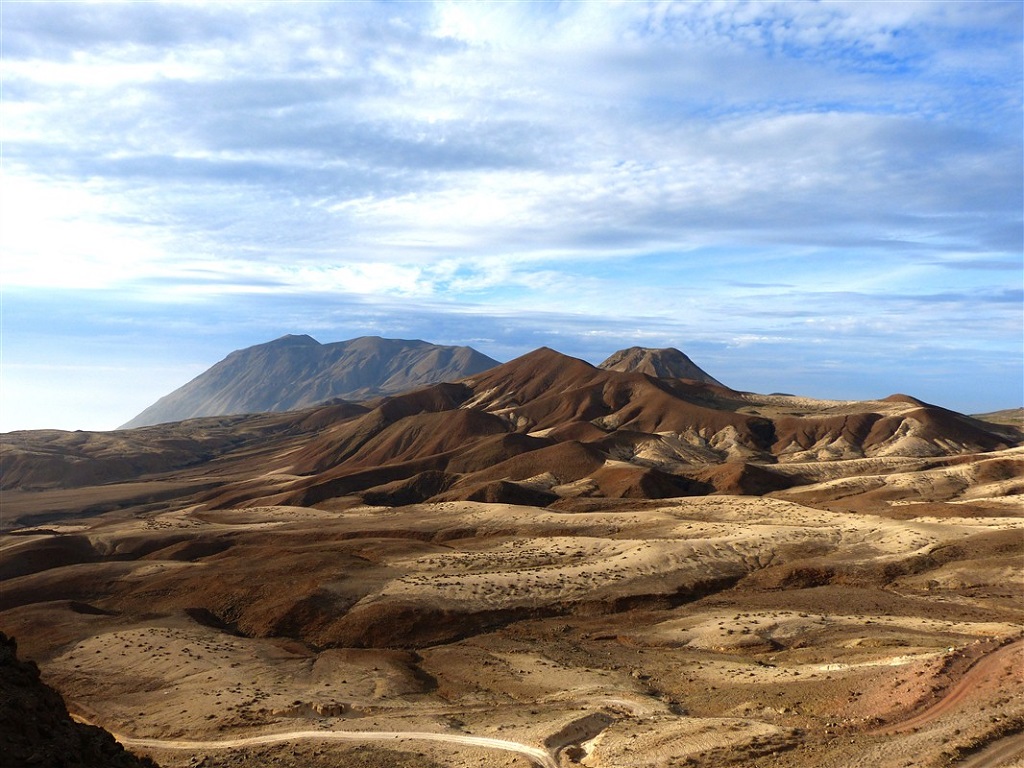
(1008, 417)
(297, 372)
(540, 428)
(546, 427)
(662, 363)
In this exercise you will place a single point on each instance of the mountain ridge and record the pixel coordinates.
(297, 371)
(542, 429)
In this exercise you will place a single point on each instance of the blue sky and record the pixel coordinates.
(819, 198)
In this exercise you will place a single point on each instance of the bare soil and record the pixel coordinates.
(702, 631)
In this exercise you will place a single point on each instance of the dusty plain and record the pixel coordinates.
(701, 631)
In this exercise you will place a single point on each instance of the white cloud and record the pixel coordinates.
(636, 160)
(70, 236)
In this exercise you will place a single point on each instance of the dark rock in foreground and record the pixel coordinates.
(36, 730)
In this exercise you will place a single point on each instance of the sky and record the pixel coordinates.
(822, 198)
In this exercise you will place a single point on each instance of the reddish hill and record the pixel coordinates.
(427, 434)
(661, 363)
(337, 442)
(539, 374)
(564, 462)
(539, 427)
(644, 483)
(742, 479)
(547, 390)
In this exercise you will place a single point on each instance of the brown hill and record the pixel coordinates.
(1013, 417)
(541, 427)
(666, 363)
(41, 459)
(560, 463)
(586, 564)
(546, 390)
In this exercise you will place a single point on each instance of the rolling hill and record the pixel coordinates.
(542, 428)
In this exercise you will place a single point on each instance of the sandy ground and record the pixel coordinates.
(706, 631)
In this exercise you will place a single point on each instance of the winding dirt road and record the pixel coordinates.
(540, 757)
(995, 662)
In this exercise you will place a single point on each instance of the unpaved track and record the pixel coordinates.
(961, 690)
(539, 756)
(997, 753)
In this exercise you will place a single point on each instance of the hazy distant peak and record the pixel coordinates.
(379, 342)
(667, 363)
(297, 371)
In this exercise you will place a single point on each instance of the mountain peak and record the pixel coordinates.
(292, 339)
(548, 354)
(666, 363)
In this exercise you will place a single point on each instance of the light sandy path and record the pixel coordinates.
(539, 756)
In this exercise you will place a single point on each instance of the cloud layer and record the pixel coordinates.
(734, 176)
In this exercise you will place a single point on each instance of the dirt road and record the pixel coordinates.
(540, 757)
(993, 663)
(998, 753)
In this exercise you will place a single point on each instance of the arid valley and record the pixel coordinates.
(546, 563)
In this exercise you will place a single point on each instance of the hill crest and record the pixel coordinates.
(665, 363)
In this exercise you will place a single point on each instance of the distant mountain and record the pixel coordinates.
(296, 372)
(1011, 417)
(662, 363)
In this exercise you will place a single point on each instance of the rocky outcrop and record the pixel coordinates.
(36, 730)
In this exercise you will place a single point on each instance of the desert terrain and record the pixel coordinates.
(542, 565)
